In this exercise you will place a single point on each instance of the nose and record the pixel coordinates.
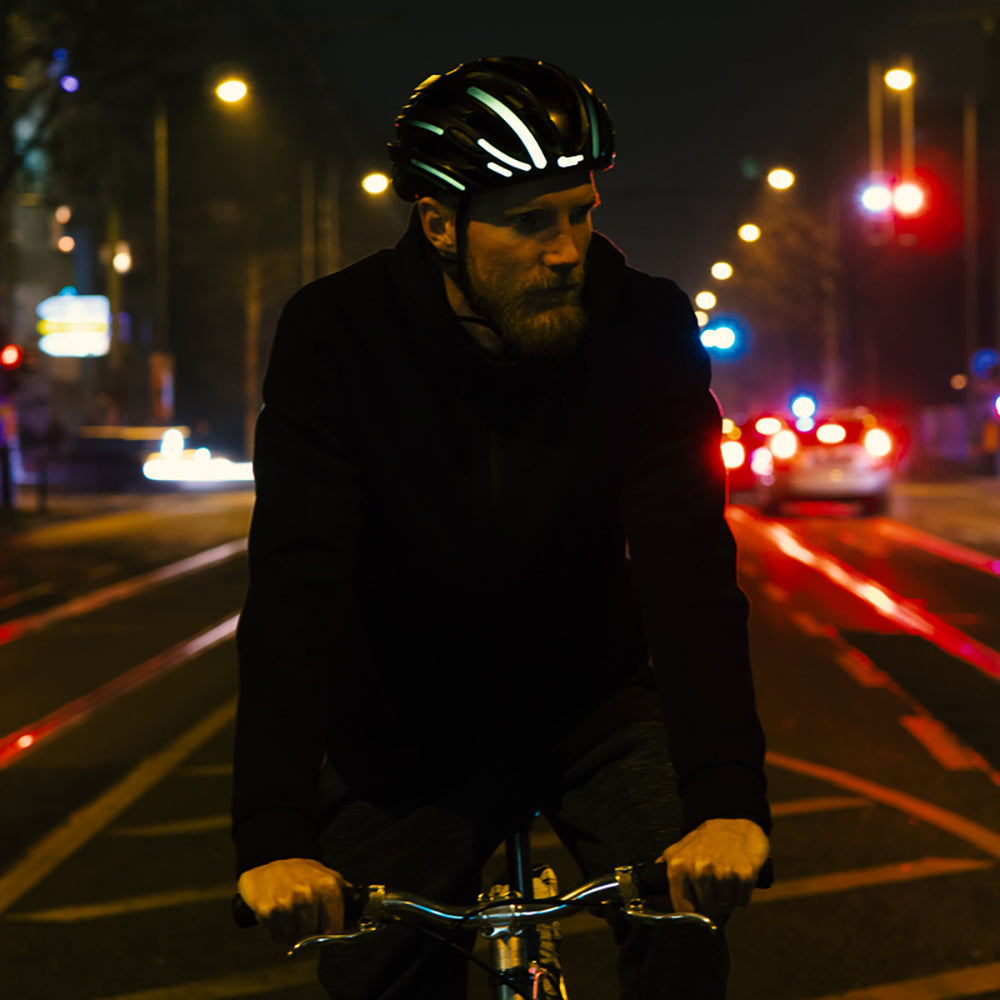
(565, 250)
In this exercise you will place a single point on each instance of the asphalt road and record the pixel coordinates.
(114, 855)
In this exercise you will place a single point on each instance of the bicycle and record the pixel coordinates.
(512, 916)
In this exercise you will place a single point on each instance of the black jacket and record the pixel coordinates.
(438, 547)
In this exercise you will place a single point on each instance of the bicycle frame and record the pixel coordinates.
(519, 949)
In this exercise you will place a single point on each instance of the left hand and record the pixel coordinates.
(713, 869)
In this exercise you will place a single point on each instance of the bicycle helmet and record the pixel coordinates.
(494, 122)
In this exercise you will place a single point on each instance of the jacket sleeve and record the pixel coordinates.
(684, 565)
(298, 627)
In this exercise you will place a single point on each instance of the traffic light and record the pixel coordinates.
(923, 212)
(725, 337)
(11, 357)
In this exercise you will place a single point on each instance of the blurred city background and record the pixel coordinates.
(154, 226)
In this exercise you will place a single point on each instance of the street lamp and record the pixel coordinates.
(781, 179)
(231, 90)
(749, 233)
(722, 270)
(375, 184)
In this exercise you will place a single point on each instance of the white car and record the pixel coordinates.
(845, 456)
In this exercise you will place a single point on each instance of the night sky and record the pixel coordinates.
(693, 89)
(705, 98)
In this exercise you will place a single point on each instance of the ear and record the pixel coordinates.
(438, 222)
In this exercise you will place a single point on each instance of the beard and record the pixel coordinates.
(540, 320)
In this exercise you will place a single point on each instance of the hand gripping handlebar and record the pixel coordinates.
(368, 907)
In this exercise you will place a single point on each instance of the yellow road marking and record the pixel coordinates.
(972, 981)
(117, 907)
(199, 824)
(819, 803)
(965, 829)
(863, 878)
(242, 984)
(938, 741)
(52, 850)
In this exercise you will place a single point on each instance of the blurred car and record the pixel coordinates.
(846, 456)
(744, 449)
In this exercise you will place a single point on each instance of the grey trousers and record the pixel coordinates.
(614, 803)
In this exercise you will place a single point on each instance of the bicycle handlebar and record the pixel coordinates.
(366, 907)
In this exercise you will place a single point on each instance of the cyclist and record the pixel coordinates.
(489, 568)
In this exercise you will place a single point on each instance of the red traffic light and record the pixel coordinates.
(11, 356)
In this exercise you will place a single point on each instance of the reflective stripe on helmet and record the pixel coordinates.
(437, 130)
(501, 155)
(595, 138)
(520, 129)
(437, 173)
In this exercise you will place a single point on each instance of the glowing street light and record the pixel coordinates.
(122, 260)
(749, 233)
(376, 183)
(781, 179)
(705, 300)
(231, 90)
(899, 79)
(722, 270)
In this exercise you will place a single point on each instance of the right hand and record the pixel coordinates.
(295, 898)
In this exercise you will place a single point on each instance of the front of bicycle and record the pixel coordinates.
(505, 919)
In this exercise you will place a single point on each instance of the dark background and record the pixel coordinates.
(706, 98)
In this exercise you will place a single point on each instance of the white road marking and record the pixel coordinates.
(271, 979)
(52, 850)
(973, 981)
(864, 878)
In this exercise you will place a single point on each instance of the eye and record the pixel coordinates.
(582, 213)
(528, 222)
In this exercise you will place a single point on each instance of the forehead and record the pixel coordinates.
(578, 186)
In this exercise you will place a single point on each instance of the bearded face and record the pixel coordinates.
(524, 261)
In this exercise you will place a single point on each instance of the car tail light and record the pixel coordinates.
(878, 442)
(784, 444)
(762, 462)
(830, 433)
(766, 426)
(733, 454)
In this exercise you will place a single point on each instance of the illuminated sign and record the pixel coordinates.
(73, 325)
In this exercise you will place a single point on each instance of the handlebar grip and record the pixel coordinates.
(651, 878)
(355, 901)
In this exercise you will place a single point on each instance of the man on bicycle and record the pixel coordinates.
(489, 569)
